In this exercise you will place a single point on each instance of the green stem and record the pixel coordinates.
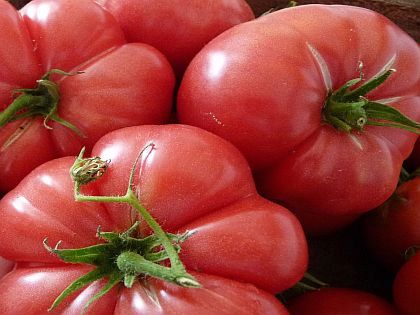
(40, 101)
(131, 263)
(347, 109)
(21, 102)
(85, 170)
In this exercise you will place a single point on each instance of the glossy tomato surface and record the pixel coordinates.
(340, 301)
(178, 28)
(121, 84)
(191, 180)
(263, 85)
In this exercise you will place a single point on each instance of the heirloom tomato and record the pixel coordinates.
(67, 77)
(240, 247)
(340, 301)
(308, 94)
(178, 28)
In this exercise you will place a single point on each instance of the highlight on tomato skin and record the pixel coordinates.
(339, 301)
(200, 191)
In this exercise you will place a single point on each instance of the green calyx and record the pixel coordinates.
(40, 101)
(347, 109)
(122, 257)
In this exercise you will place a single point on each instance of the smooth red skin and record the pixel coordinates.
(339, 301)
(406, 287)
(258, 86)
(178, 28)
(132, 83)
(191, 180)
(217, 295)
(394, 227)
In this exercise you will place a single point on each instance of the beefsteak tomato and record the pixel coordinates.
(298, 92)
(121, 84)
(178, 28)
(189, 180)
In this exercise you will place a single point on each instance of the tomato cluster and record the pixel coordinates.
(213, 150)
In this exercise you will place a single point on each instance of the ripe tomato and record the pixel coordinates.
(121, 84)
(339, 301)
(178, 28)
(271, 87)
(394, 227)
(406, 288)
(191, 180)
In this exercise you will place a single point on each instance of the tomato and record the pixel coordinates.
(121, 84)
(406, 287)
(394, 227)
(339, 301)
(272, 88)
(240, 244)
(178, 28)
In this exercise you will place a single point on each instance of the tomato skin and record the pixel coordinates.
(132, 83)
(192, 180)
(406, 288)
(5, 266)
(178, 28)
(223, 295)
(259, 86)
(339, 301)
(393, 228)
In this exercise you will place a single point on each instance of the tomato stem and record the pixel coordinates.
(40, 101)
(347, 109)
(123, 257)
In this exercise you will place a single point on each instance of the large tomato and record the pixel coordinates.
(191, 180)
(178, 28)
(271, 87)
(340, 301)
(394, 227)
(121, 84)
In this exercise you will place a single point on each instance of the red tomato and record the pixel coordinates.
(178, 28)
(121, 84)
(406, 288)
(263, 85)
(191, 180)
(394, 227)
(340, 301)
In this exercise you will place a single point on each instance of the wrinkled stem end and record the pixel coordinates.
(86, 170)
